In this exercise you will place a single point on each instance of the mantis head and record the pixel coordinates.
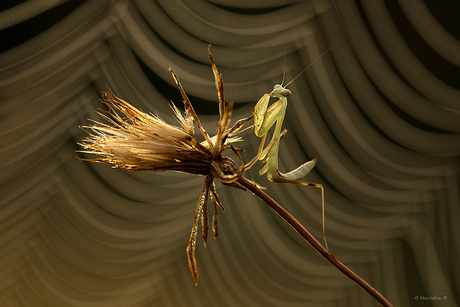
(280, 92)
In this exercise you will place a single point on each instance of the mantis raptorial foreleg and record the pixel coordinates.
(264, 118)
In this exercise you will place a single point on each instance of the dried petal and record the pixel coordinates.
(192, 242)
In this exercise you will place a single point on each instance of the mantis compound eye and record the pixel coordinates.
(285, 93)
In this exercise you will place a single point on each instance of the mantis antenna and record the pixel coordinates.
(327, 50)
(284, 58)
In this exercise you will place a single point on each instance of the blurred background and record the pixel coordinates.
(380, 112)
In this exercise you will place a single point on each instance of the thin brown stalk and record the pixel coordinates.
(304, 233)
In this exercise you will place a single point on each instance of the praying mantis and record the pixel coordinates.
(264, 118)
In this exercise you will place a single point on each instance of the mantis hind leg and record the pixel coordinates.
(270, 160)
(293, 178)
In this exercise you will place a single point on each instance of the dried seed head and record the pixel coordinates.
(144, 142)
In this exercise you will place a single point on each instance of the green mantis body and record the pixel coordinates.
(264, 118)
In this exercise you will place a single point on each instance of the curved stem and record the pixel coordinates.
(301, 230)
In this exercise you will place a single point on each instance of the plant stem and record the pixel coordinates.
(301, 230)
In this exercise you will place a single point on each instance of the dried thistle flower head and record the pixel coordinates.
(137, 141)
